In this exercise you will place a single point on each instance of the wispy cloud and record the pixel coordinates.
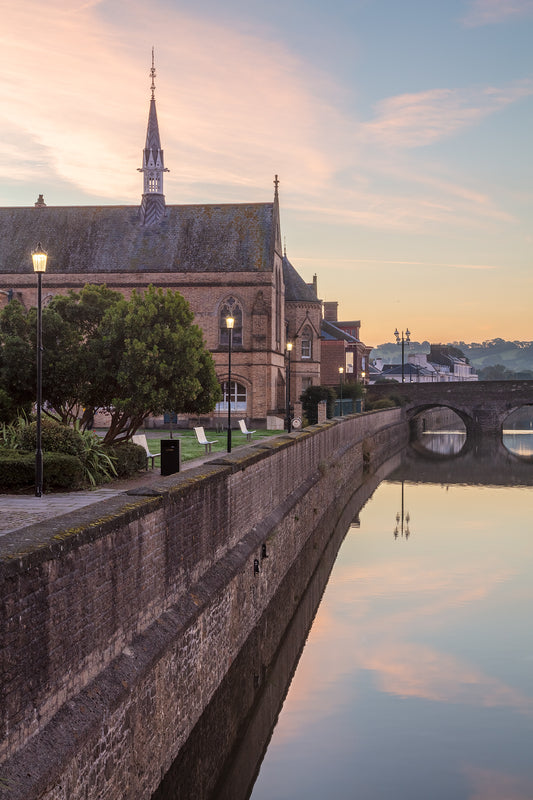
(415, 120)
(489, 12)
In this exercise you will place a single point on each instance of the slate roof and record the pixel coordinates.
(105, 239)
(296, 289)
(330, 332)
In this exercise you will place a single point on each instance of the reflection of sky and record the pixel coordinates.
(519, 442)
(418, 669)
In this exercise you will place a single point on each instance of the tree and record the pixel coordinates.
(151, 359)
(17, 362)
(71, 333)
(310, 399)
(495, 373)
(100, 351)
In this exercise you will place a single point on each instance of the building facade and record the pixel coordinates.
(225, 259)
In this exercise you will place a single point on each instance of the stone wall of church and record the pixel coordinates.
(256, 364)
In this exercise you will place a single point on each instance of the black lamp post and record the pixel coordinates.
(39, 266)
(229, 325)
(401, 340)
(341, 373)
(288, 418)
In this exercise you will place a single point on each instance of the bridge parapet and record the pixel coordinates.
(482, 405)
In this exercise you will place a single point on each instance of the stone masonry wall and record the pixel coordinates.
(120, 622)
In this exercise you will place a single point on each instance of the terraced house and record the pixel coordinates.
(224, 259)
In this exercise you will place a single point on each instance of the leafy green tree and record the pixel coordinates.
(497, 372)
(151, 359)
(17, 362)
(71, 334)
(132, 358)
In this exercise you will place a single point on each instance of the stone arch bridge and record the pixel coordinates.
(482, 405)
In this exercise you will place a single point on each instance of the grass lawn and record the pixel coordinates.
(189, 445)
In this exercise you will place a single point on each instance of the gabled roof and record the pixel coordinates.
(296, 289)
(105, 239)
(331, 332)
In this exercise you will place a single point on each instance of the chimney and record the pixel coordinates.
(330, 310)
(40, 202)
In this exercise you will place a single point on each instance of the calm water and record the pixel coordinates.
(416, 680)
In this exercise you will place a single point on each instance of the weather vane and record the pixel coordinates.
(152, 74)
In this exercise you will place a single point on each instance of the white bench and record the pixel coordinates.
(140, 439)
(244, 429)
(200, 435)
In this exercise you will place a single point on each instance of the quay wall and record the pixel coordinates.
(120, 622)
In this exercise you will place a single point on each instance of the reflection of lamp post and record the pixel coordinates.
(288, 389)
(229, 325)
(401, 340)
(404, 520)
(341, 373)
(39, 266)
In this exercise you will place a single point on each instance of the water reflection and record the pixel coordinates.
(402, 519)
(416, 677)
(519, 442)
(444, 442)
(416, 680)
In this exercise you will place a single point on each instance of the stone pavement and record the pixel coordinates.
(17, 511)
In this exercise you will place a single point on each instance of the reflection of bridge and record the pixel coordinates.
(483, 406)
(483, 461)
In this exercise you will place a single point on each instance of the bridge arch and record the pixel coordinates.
(482, 405)
(415, 410)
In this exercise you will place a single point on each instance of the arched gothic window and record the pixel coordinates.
(230, 308)
(307, 342)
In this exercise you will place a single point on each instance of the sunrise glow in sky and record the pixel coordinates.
(400, 130)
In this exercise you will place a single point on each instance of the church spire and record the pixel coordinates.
(153, 199)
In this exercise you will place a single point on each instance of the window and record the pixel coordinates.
(238, 398)
(230, 308)
(307, 342)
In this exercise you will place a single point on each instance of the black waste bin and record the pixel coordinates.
(170, 456)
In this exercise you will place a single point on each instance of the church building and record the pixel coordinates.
(225, 259)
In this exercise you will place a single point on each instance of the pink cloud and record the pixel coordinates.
(488, 784)
(488, 12)
(416, 120)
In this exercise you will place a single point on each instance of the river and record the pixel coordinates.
(416, 678)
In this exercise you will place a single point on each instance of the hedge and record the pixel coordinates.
(128, 458)
(60, 471)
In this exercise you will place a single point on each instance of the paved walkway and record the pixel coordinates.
(17, 511)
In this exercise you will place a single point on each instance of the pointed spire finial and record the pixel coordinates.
(276, 184)
(152, 74)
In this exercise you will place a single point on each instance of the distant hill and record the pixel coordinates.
(514, 356)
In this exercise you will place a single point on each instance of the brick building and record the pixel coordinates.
(341, 347)
(224, 259)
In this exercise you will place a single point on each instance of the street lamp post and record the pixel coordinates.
(288, 418)
(39, 266)
(341, 373)
(403, 340)
(230, 321)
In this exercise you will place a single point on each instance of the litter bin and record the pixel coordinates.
(170, 456)
(358, 406)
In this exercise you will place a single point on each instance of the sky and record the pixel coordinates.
(400, 131)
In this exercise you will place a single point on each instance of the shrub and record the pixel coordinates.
(55, 438)
(311, 398)
(17, 471)
(128, 458)
(98, 464)
(377, 405)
